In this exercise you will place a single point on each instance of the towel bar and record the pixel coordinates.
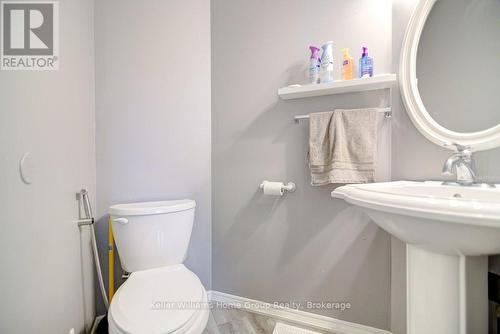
(386, 111)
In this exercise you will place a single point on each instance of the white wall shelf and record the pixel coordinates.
(382, 81)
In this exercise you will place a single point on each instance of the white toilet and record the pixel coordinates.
(161, 295)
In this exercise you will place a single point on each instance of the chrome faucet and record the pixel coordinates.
(462, 165)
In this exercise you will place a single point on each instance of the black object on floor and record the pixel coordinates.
(102, 328)
(494, 287)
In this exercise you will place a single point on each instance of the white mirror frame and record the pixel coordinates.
(478, 141)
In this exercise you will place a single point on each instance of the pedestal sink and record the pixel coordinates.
(449, 230)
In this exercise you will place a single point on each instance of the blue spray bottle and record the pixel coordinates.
(365, 64)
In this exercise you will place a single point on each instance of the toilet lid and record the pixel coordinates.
(157, 301)
(151, 208)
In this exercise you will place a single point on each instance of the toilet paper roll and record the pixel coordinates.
(272, 188)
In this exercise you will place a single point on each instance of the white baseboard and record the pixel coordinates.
(282, 328)
(308, 319)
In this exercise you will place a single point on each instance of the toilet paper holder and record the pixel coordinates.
(290, 187)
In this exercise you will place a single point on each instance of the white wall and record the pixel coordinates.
(153, 110)
(47, 275)
(305, 246)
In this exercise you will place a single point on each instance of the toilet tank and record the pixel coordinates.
(152, 234)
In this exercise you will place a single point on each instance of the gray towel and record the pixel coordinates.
(343, 145)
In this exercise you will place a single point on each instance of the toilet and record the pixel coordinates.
(161, 296)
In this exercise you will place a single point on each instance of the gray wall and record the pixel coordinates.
(415, 158)
(47, 282)
(305, 246)
(457, 81)
(153, 111)
(401, 13)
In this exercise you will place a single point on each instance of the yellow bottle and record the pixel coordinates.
(347, 66)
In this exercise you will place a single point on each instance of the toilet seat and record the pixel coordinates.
(166, 300)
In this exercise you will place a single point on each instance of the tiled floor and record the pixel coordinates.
(226, 320)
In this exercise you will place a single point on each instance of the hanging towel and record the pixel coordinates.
(343, 146)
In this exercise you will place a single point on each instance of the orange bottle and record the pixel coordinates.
(347, 66)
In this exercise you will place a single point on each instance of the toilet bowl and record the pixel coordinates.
(161, 296)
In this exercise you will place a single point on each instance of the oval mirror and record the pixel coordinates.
(449, 73)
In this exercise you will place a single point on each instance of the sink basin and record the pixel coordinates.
(447, 219)
(448, 230)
